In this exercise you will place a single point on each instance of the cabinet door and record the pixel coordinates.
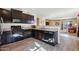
(40, 35)
(29, 19)
(1, 12)
(16, 14)
(32, 19)
(6, 15)
(27, 33)
(36, 34)
(24, 18)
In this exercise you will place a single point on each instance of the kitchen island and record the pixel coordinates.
(47, 35)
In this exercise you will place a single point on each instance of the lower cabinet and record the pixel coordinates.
(37, 34)
(27, 33)
(40, 35)
(45, 36)
(5, 37)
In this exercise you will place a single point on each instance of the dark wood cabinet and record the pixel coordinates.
(29, 19)
(24, 18)
(46, 36)
(16, 14)
(6, 15)
(40, 35)
(37, 34)
(1, 12)
(27, 33)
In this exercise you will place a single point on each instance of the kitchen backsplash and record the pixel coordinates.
(7, 26)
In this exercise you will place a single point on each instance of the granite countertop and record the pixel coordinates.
(44, 29)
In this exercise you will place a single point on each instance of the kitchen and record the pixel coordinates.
(16, 26)
(20, 28)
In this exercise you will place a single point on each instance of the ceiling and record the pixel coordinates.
(52, 13)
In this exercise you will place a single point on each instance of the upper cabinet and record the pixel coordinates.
(29, 19)
(16, 16)
(6, 15)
